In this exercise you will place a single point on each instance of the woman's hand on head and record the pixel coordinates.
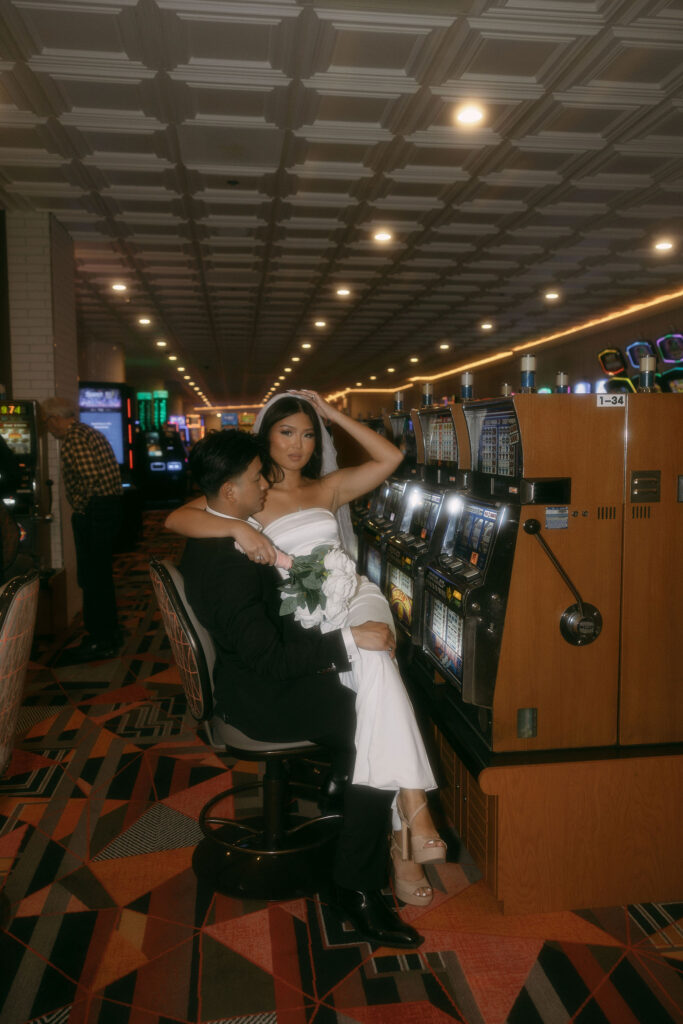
(326, 410)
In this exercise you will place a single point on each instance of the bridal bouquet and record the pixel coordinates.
(319, 587)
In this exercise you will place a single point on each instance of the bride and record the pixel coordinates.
(307, 497)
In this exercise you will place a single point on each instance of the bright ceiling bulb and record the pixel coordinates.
(373, 377)
(180, 369)
(664, 245)
(161, 343)
(383, 235)
(444, 345)
(305, 344)
(144, 320)
(296, 359)
(359, 383)
(469, 114)
(414, 359)
(173, 358)
(281, 377)
(321, 323)
(186, 377)
(391, 369)
(486, 325)
(343, 293)
(551, 296)
(118, 287)
(288, 369)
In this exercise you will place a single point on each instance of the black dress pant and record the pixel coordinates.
(94, 533)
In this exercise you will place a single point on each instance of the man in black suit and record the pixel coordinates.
(277, 681)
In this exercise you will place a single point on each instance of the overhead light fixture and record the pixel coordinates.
(343, 293)
(119, 287)
(663, 245)
(321, 323)
(391, 369)
(296, 359)
(359, 383)
(414, 359)
(173, 358)
(180, 369)
(444, 346)
(144, 320)
(383, 235)
(305, 344)
(281, 377)
(288, 369)
(186, 377)
(161, 343)
(551, 296)
(469, 114)
(486, 325)
(373, 377)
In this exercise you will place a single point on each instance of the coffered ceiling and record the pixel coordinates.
(229, 162)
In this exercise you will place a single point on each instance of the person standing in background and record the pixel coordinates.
(92, 482)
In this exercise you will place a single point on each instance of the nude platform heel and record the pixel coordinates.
(421, 849)
(418, 892)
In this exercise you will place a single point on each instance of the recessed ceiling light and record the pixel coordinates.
(469, 114)
(180, 369)
(281, 377)
(486, 325)
(161, 343)
(343, 293)
(296, 359)
(173, 358)
(373, 377)
(305, 344)
(288, 369)
(383, 235)
(321, 323)
(186, 377)
(414, 359)
(444, 345)
(664, 245)
(551, 296)
(391, 369)
(359, 383)
(118, 287)
(144, 320)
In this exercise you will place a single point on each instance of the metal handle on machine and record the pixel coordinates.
(533, 528)
(581, 623)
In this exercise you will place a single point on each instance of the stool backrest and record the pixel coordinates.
(18, 609)
(192, 646)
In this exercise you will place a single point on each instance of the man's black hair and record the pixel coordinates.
(220, 456)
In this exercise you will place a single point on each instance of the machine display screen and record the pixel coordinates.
(99, 398)
(404, 435)
(373, 565)
(16, 431)
(499, 451)
(400, 590)
(392, 501)
(111, 425)
(442, 444)
(444, 634)
(475, 533)
(425, 514)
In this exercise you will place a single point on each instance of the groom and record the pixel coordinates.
(276, 681)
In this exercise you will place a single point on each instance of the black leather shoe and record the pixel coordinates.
(331, 800)
(372, 919)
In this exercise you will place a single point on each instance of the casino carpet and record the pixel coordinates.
(98, 817)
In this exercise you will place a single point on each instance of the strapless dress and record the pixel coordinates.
(390, 752)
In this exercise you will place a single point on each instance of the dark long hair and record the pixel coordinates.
(286, 406)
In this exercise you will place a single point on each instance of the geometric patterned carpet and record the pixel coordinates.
(98, 820)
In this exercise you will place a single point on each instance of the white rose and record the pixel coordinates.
(309, 619)
(335, 614)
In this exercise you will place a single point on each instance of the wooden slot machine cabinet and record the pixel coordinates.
(651, 683)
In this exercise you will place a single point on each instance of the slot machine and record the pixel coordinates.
(109, 408)
(521, 603)
(386, 515)
(400, 431)
(408, 550)
(18, 427)
(443, 451)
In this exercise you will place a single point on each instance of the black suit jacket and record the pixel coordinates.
(272, 679)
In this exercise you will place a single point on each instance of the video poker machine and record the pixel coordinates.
(443, 451)
(18, 427)
(521, 601)
(385, 516)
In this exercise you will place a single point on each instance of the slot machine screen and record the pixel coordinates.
(474, 534)
(392, 501)
(404, 435)
(499, 451)
(425, 514)
(15, 427)
(102, 409)
(373, 565)
(444, 634)
(400, 590)
(670, 348)
(442, 445)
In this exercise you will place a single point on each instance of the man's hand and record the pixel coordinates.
(374, 636)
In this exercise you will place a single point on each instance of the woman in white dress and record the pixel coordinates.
(307, 505)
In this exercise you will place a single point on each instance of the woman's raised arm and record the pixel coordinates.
(192, 520)
(385, 457)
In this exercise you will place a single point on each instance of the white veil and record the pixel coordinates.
(329, 464)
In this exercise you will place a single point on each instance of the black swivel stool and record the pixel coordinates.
(276, 855)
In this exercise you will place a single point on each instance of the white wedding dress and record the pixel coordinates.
(390, 753)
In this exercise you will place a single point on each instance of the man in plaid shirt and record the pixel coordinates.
(92, 483)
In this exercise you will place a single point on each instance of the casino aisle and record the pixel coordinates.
(109, 924)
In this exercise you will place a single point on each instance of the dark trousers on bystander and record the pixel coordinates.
(94, 533)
